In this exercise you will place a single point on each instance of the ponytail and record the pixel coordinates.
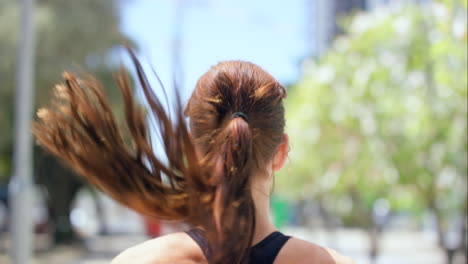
(80, 129)
(233, 207)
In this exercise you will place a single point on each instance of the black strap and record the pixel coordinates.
(264, 252)
(198, 236)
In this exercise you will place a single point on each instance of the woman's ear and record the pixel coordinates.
(281, 154)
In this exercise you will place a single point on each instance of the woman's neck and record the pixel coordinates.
(263, 223)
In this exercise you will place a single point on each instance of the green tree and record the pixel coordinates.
(70, 35)
(379, 122)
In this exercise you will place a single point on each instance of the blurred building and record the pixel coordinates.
(324, 18)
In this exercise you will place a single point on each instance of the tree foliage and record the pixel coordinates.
(70, 35)
(382, 115)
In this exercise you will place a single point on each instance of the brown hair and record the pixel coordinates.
(206, 179)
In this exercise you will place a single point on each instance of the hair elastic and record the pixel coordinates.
(240, 114)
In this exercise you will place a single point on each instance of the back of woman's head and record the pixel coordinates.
(236, 121)
(238, 87)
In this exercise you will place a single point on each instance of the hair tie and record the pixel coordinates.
(240, 114)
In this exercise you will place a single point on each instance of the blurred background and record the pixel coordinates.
(376, 113)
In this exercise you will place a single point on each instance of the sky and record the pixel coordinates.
(270, 33)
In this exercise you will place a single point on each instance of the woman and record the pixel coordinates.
(217, 177)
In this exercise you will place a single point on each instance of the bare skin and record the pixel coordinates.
(180, 248)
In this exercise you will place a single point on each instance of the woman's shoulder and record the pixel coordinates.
(166, 249)
(338, 258)
(299, 251)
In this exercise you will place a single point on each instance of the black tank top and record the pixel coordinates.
(264, 252)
